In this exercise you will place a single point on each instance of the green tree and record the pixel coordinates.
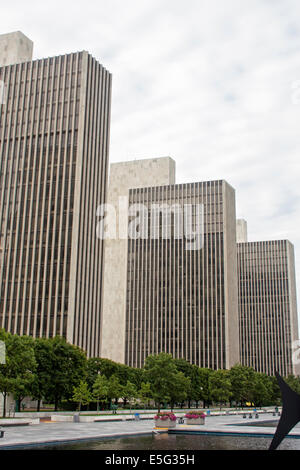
(261, 390)
(98, 365)
(294, 382)
(25, 379)
(145, 393)
(114, 388)
(203, 390)
(180, 389)
(188, 370)
(128, 392)
(17, 374)
(136, 376)
(42, 386)
(68, 369)
(100, 389)
(107, 367)
(161, 372)
(220, 386)
(196, 392)
(242, 382)
(275, 391)
(81, 394)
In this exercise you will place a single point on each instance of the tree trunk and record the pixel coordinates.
(38, 406)
(19, 403)
(56, 404)
(4, 405)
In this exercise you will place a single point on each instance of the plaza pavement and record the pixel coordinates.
(62, 432)
(59, 432)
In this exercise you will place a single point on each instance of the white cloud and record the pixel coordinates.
(212, 84)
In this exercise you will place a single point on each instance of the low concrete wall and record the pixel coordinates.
(19, 421)
(44, 414)
(62, 418)
(87, 419)
(97, 418)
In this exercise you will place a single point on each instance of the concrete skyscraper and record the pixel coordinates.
(267, 306)
(54, 140)
(123, 176)
(168, 297)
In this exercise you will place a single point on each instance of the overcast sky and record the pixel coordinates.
(214, 84)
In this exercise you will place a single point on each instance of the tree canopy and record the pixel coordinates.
(57, 372)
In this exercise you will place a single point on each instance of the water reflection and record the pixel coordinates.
(178, 442)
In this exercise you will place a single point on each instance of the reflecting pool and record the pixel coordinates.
(176, 442)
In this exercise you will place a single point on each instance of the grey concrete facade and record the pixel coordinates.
(268, 306)
(15, 48)
(184, 301)
(199, 321)
(123, 176)
(54, 139)
(241, 231)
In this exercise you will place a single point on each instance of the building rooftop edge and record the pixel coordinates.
(16, 32)
(56, 56)
(181, 184)
(139, 160)
(266, 241)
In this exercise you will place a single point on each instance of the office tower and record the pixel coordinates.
(54, 138)
(180, 300)
(267, 306)
(123, 176)
(165, 293)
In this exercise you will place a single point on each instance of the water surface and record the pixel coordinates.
(177, 442)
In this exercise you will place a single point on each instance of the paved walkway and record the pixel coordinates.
(237, 425)
(62, 432)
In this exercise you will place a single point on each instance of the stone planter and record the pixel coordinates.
(195, 421)
(164, 423)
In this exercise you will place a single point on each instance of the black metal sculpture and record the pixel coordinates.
(290, 415)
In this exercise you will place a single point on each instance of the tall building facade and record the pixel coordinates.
(54, 139)
(184, 301)
(267, 306)
(123, 176)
